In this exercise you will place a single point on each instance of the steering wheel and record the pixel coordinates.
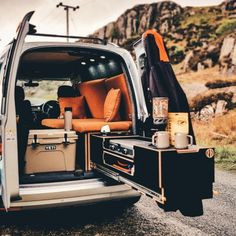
(51, 109)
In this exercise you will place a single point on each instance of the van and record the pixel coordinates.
(106, 156)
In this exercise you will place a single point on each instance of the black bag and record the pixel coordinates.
(159, 80)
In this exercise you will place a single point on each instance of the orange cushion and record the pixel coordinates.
(92, 125)
(76, 103)
(88, 125)
(116, 82)
(53, 123)
(112, 105)
(95, 94)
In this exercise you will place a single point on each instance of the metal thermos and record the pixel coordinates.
(68, 118)
(160, 110)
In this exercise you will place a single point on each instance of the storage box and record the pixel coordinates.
(50, 150)
(172, 177)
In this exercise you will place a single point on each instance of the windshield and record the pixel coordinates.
(41, 91)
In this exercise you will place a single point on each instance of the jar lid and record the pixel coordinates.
(68, 109)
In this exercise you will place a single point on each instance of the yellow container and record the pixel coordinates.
(50, 150)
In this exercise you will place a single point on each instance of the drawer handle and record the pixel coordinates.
(122, 164)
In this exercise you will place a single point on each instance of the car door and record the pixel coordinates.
(9, 169)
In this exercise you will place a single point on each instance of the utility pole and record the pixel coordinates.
(67, 8)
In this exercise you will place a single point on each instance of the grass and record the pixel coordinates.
(207, 75)
(199, 18)
(226, 158)
(220, 132)
(226, 27)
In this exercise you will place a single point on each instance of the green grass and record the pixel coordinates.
(227, 26)
(200, 18)
(226, 157)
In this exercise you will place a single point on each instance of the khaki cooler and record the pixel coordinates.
(50, 150)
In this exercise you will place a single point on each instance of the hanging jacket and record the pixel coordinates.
(159, 79)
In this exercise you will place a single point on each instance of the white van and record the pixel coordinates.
(106, 156)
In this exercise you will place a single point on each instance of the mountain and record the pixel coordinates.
(197, 37)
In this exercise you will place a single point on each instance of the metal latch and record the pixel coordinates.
(35, 142)
(66, 142)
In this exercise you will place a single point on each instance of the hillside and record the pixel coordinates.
(194, 35)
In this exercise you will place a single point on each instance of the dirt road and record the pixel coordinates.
(145, 218)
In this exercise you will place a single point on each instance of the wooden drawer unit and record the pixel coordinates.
(172, 177)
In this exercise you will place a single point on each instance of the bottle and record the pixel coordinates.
(68, 118)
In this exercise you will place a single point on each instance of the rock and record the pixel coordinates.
(206, 113)
(227, 47)
(200, 66)
(186, 66)
(227, 60)
(230, 5)
(220, 107)
(187, 28)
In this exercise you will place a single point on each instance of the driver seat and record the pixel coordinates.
(25, 122)
(66, 91)
(23, 107)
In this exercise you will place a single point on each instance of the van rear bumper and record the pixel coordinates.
(93, 196)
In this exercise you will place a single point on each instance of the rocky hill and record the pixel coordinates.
(197, 37)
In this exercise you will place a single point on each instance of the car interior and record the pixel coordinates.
(94, 83)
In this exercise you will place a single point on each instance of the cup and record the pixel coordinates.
(161, 139)
(183, 140)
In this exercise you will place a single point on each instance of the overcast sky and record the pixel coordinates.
(92, 14)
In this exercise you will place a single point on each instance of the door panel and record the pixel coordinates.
(10, 184)
(140, 56)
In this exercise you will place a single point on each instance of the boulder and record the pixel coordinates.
(227, 60)
(220, 107)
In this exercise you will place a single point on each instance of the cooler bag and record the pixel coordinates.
(50, 150)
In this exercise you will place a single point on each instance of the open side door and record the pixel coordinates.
(140, 56)
(9, 169)
(175, 179)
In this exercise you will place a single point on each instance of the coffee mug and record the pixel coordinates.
(183, 140)
(161, 139)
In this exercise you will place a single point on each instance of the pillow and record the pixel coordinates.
(116, 82)
(112, 105)
(95, 94)
(76, 103)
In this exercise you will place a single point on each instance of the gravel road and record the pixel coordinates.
(144, 218)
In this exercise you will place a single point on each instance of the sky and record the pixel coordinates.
(92, 14)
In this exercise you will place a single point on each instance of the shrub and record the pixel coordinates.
(220, 84)
(226, 27)
(200, 101)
